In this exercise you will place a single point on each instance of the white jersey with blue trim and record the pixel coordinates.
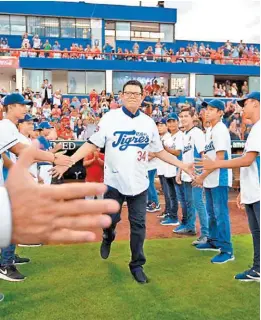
(175, 142)
(8, 138)
(127, 139)
(218, 139)
(250, 176)
(161, 165)
(194, 145)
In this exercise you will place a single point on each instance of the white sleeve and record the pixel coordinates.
(220, 139)
(5, 219)
(8, 137)
(199, 139)
(155, 143)
(179, 142)
(253, 140)
(99, 137)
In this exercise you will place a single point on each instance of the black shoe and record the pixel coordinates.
(19, 260)
(140, 276)
(105, 249)
(1, 297)
(10, 273)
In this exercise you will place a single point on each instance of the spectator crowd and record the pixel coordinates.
(77, 119)
(238, 54)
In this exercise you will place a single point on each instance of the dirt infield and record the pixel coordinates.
(156, 231)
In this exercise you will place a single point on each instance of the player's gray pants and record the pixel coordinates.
(253, 214)
(137, 217)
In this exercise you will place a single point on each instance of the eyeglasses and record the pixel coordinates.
(129, 94)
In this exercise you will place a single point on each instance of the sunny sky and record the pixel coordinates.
(211, 20)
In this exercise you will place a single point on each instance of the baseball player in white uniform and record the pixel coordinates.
(216, 185)
(127, 135)
(249, 164)
(194, 146)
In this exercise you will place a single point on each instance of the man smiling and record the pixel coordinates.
(127, 135)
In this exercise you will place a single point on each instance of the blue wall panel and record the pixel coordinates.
(73, 64)
(89, 10)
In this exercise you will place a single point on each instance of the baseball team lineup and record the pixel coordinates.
(195, 167)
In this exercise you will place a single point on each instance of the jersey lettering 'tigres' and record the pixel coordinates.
(131, 139)
(127, 140)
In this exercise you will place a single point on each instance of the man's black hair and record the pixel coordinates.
(133, 83)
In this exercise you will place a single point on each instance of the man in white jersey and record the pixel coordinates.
(194, 145)
(249, 165)
(10, 141)
(127, 135)
(216, 185)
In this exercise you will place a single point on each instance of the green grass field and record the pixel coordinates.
(73, 283)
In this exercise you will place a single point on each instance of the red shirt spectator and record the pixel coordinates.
(155, 86)
(148, 87)
(94, 104)
(66, 134)
(94, 164)
(114, 104)
(93, 95)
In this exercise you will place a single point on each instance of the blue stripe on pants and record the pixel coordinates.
(219, 221)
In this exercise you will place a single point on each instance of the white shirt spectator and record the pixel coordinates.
(36, 42)
(250, 176)
(127, 140)
(218, 139)
(38, 102)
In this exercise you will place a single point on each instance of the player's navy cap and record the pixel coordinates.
(161, 121)
(45, 125)
(36, 127)
(215, 103)
(15, 98)
(253, 95)
(26, 118)
(172, 116)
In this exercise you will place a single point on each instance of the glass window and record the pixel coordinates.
(167, 32)
(83, 28)
(33, 79)
(122, 30)
(68, 28)
(18, 25)
(76, 82)
(179, 84)
(204, 84)
(4, 24)
(253, 84)
(52, 27)
(95, 80)
(141, 31)
(109, 25)
(36, 25)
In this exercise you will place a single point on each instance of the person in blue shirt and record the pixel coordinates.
(107, 48)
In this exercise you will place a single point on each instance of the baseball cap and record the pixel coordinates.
(26, 118)
(253, 95)
(36, 127)
(45, 125)
(161, 121)
(172, 116)
(15, 98)
(215, 103)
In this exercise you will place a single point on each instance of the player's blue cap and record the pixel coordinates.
(45, 125)
(172, 116)
(253, 95)
(36, 127)
(215, 103)
(26, 118)
(161, 121)
(15, 98)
